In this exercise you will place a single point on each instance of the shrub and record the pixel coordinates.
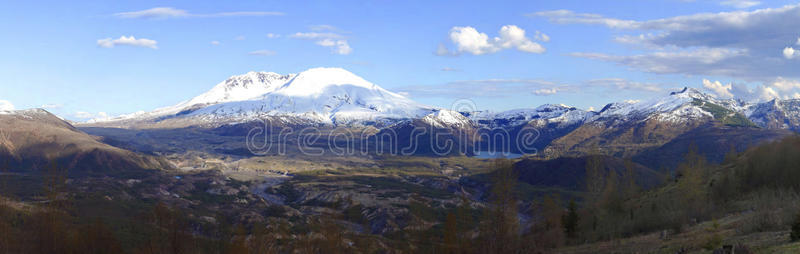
(713, 241)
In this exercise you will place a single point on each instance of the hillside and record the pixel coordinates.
(30, 140)
(570, 173)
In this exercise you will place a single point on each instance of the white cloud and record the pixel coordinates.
(323, 28)
(92, 116)
(512, 87)
(790, 53)
(315, 35)
(785, 85)
(449, 69)
(778, 88)
(51, 106)
(539, 36)
(545, 91)
(337, 46)
(215, 43)
(700, 61)
(798, 41)
(272, 35)
(128, 41)
(262, 52)
(748, 38)
(239, 38)
(154, 13)
(484, 88)
(741, 4)
(336, 42)
(468, 39)
(723, 91)
(570, 17)
(6, 105)
(624, 84)
(169, 12)
(83, 115)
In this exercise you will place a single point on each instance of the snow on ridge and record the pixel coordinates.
(541, 115)
(326, 95)
(242, 87)
(676, 107)
(447, 118)
(315, 81)
(336, 96)
(331, 94)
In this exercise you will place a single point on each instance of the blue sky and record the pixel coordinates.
(78, 59)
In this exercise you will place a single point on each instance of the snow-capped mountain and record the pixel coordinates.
(445, 118)
(320, 95)
(776, 114)
(676, 106)
(685, 105)
(334, 96)
(559, 114)
(325, 95)
(627, 128)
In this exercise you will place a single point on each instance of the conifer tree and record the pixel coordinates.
(570, 220)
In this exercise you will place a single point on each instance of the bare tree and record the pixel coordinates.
(502, 225)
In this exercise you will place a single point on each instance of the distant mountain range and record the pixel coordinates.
(330, 98)
(337, 97)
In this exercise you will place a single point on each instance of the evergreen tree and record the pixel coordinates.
(570, 220)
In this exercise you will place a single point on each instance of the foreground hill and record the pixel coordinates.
(570, 173)
(33, 139)
(749, 202)
(713, 141)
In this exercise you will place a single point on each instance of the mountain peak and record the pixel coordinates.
(681, 91)
(553, 107)
(690, 91)
(446, 118)
(241, 87)
(313, 82)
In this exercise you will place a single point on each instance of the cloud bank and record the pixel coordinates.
(336, 42)
(127, 41)
(169, 12)
(750, 45)
(262, 52)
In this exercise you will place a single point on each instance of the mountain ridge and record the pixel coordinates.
(334, 97)
(32, 139)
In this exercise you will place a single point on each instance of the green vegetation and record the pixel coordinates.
(724, 115)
